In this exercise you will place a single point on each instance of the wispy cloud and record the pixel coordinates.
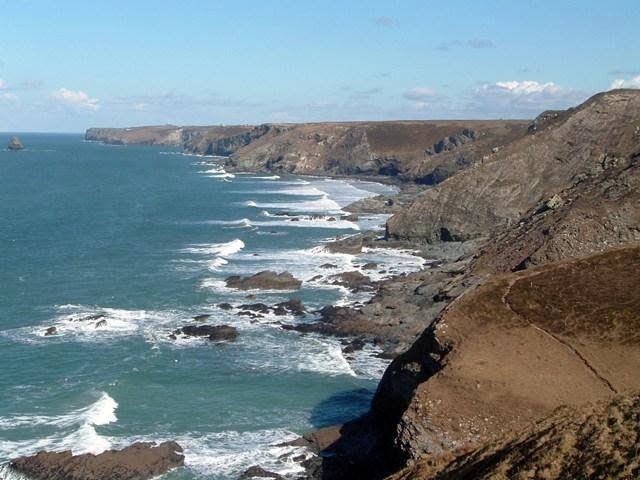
(385, 21)
(75, 99)
(633, 82)
(623, 73)
(419, 93)
(474, 43)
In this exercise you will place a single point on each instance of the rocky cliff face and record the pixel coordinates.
(426, 152)
(561, 152)
(155, 135)
(197, 138)
(499, 357)
(595, 442)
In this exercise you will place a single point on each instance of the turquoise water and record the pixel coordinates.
(145, 237)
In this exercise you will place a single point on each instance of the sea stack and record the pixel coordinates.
(15, 144)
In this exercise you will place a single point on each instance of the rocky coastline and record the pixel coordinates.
(529, 303)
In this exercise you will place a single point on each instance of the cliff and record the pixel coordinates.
(595, 442)
(560, 153)
(169, 135)
(421, 151)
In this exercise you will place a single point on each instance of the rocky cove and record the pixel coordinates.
(526, 314)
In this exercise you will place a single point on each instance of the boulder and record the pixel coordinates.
(139, 461)
(294, 306)
(265, 280)
(225, 306)
(50, 331)
(202, 317)
(213, 332)
(350, 245)
(101, 323)
(15, 144)
(353, 280)
(258, 472)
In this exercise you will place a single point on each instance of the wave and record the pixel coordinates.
(80, 435)
(222, 249)
(324, 204)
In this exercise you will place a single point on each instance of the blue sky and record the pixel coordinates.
(69, 65)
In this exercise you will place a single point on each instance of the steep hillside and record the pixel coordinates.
(424, 151)
(593, 442)
(498, 357)
(561, 151)
(514, 348)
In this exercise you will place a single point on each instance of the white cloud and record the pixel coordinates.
(76, 99)
(622, 83)
(523, 98)
(419, 93)
(8, 97)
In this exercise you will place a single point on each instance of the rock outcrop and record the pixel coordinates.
(593, 442)
(577, 145)
(139, 461)
(265, 280)
(15, 144)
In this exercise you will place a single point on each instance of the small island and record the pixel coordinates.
(15, 144)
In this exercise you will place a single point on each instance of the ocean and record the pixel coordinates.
(143, 237)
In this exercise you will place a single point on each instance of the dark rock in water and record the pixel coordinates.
(370, 266)
(350, 245)
(15, 144)
(101, 323)
(328, 265)
(51, 331)
(351, 218)
(249, 314)
(313, 279)
(353, 346)
(265, 280)
(225, 306)
(202, 317)
(214, 332)
(294, 306)
(139, 461)
(258, 472)
(87, 318)
(353, 280)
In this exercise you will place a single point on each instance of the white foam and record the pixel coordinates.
(324, 204)
(82, 439)
(221, 251)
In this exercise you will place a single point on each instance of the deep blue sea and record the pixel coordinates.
(145, 236)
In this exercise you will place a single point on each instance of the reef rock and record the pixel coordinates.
(139, 461)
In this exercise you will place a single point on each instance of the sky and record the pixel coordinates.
(69, 65)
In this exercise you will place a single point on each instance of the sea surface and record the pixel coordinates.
(145, 237)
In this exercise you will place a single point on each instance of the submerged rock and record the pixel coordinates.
(265, 280)
(202, 317)
(139, 461)
(15, 144)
